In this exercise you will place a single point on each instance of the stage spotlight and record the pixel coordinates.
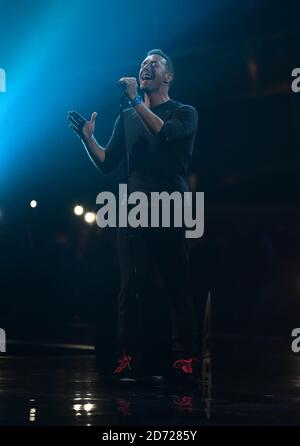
(90, 217)
(32, 414)
(88, 407)
(33, 204)
(77, 407)
(78, 210)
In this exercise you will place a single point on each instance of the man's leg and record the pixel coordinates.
(127, 310)
(173, 261)
(136, 270)
(143, 318)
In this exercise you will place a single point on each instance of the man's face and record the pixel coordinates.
(153, 73)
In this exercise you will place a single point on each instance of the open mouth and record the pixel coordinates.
(147, 77)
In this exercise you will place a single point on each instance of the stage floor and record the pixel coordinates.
(256, 381)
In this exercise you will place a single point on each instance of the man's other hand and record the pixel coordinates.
(85, 129)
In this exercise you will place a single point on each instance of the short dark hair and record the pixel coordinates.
(169, 62)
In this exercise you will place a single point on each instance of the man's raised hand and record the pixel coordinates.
(84, 128)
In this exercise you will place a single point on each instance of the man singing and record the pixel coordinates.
(157, 134)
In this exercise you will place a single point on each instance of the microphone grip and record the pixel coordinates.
(121, 84)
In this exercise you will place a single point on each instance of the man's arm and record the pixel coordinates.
(153, 122)
(94, 151)
(184, 123)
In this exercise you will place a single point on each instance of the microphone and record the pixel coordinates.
(121, 84)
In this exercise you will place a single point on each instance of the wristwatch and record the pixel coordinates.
(136, 101)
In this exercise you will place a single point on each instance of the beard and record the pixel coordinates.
(146, 89)
(149, 88)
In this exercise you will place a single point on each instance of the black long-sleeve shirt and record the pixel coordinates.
(156, 162)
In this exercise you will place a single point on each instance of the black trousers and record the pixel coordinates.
(155, 303)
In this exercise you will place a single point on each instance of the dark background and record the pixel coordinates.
(233, 62)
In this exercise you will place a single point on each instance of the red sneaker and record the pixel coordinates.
(185, 371)
(186, 365)
(123, 372)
